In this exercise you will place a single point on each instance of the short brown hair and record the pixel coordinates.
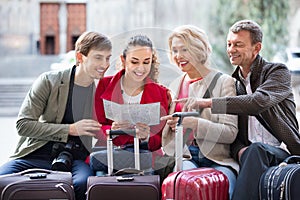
(92, 40)
(256, 34)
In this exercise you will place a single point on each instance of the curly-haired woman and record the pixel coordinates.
(135, 83)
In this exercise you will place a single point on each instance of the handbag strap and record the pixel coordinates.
(210, 88)
(212, 85)
(205, 96)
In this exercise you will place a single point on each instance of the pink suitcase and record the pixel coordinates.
(194, 184)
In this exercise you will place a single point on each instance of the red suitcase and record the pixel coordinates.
(133, 187)
(196, 184)
(193, 184)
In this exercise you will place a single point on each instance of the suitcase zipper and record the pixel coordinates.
(66, 190)
(284, 192)
(61, 186)
(264, 188)
(271, 183)
(282, 185)
(286, 181)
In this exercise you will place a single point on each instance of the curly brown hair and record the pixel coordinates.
(144, 41)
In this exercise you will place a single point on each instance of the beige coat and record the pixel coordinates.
(215, 132)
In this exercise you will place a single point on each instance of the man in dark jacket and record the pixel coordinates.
(265, 106)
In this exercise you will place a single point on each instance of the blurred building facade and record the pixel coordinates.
(52, 26)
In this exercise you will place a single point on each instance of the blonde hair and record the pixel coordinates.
(195, 40)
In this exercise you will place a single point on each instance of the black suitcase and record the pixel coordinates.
(37, 184)
(282, 181)
(128, 186)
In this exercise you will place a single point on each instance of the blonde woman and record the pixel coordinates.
(211, 134)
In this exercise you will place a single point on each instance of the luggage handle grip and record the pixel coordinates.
(124, 178)
(37, 175)
(129, 171)
(292, 159)
(111, 133)
(179, 137)
(181, 115)
(35, 170)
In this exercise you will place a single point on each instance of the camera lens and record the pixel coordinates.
(63, 162)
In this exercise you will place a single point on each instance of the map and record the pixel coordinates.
(144, 113)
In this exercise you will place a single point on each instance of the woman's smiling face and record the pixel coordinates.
(137, 63)
(181, 55)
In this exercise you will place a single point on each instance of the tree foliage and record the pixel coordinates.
(270, 14)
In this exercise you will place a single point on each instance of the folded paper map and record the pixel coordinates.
(144, 113)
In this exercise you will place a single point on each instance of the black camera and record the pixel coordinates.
(63, 156)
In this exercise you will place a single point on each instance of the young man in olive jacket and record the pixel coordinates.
(58, 112)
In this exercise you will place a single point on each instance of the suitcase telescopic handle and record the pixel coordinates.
(179, 137)
(110, 159)
(292, 160)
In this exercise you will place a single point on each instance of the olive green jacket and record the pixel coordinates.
(42, 111)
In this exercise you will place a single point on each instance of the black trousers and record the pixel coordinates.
(254, 161)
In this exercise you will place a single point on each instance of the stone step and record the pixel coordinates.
(13, 92)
